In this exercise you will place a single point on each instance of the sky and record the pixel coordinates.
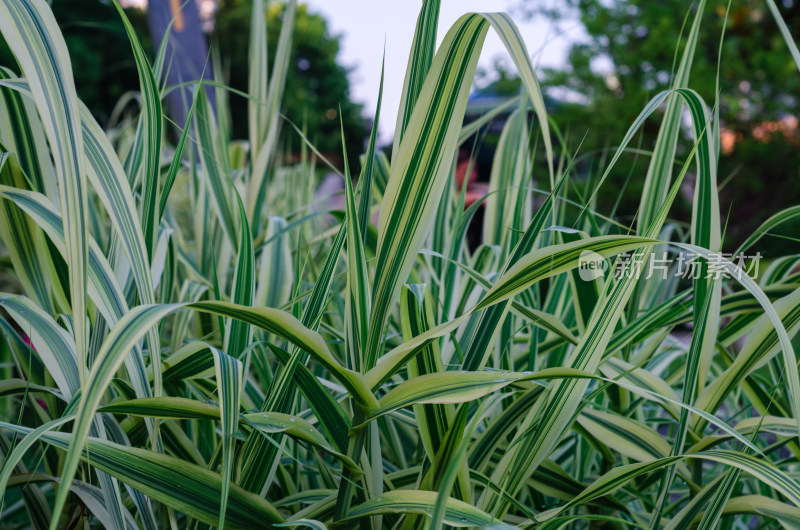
(364, 25)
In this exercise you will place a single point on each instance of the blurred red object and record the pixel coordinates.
(466, 171)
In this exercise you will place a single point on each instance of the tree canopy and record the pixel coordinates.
(316, 85)
(628, 55)
(102, 61)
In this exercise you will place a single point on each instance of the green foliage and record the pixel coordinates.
(630, 55)
(188, 342)
(98, 45)
(316, 84)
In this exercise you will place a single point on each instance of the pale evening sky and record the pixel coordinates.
(364, 24)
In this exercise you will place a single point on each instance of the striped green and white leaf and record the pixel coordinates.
(457, 513)
(229, 388)
(30, 30)
(263, 422)
(616, 478)
(186, 487)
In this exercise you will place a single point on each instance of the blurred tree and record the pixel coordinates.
(628, 56)
(102, 60)
(316, 85)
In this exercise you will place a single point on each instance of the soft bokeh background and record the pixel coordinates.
(600, 61)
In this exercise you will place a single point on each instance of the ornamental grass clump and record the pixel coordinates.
(190, 343)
